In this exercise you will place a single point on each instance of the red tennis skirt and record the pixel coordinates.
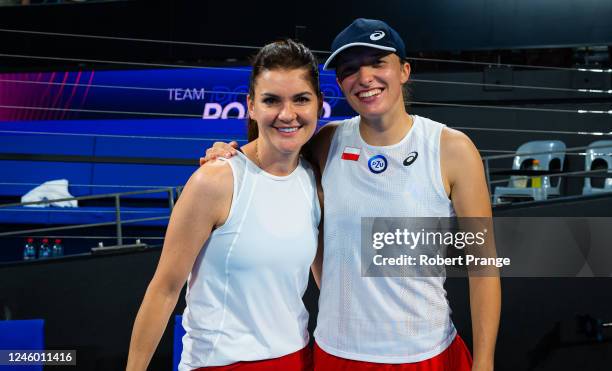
(297, 361)
(456, 357)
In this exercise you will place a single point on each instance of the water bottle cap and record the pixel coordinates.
(45, 240)
(30, 240)
(58, 241)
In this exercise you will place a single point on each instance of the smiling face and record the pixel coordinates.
(372, 80)
(285, 107)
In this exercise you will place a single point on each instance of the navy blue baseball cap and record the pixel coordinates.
(366, 32)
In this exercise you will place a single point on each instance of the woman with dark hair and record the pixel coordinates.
(244, 234)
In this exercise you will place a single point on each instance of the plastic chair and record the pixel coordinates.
(556, 153)
(598, 158)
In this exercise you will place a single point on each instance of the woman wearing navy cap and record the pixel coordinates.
(398, 321)
(383, 163)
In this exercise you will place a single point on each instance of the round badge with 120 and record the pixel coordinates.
(377, 164)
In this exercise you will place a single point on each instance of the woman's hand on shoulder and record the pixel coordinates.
(220, 149)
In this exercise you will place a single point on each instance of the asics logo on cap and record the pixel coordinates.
(377, 35)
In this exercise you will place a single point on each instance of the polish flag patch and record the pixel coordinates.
(351, 153)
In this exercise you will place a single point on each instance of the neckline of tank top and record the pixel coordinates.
(415, 119)
(268, 175)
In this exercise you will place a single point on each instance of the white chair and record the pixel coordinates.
(596, 159)
(555, 152)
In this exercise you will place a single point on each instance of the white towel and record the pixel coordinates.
(51, 190)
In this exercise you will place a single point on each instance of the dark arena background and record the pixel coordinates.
(121, 98)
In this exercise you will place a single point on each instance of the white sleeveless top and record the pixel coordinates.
(244, 293)
(380, 319)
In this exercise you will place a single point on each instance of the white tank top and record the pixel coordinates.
(380, 319)
(244, 292)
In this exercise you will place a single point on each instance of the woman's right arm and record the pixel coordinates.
(203, 204)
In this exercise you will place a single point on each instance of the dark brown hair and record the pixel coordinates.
(406, 87)
(285, 54)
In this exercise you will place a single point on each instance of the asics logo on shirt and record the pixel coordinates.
(412, 156)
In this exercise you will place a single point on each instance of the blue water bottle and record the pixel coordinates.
(57, 249)
(29, 250)
(44, 251)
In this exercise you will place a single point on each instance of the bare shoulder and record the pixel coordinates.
(463, 174)
(455, 143)
(213, 180)
(202, 206)
(459, 158)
